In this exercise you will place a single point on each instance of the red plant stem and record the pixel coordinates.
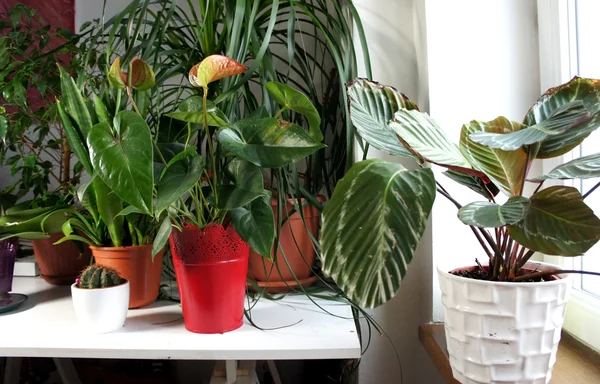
(591, 190)
(535, 275)
(525, 259)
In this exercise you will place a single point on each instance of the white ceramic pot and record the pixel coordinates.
(499, 332)
(101, 310)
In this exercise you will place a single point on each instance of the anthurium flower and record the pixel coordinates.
(213, 68)
(142, 76)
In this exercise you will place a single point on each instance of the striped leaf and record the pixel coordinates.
(485, 214)
(562, 119)
(586, 167)
(372, 226)
(372, 107)
(558, 223)
(474, 183)
(585, 90)
(505, 168)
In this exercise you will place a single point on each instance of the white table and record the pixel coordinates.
(45, 326)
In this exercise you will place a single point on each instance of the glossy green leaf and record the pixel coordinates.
(27, 236)
(29, 220)
(585, 167)
(162, 236)
(109, 205)
(372, 226)
(297, 101)
(123, 159)
(247, 185)
(76, 141)
(74, 103)
(268, 142)
(586, 90)
(372, 107)
(474, 183)
(558, 223)
(3, 128)
(179, 177)
(100, 109)
(506, 169)
(485, 214)
(562, 119)
(213, 68)
(256, 225)
(116, 78)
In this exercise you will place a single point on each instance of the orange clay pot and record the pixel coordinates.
(60, 264)
(134, 264)
(297, 247)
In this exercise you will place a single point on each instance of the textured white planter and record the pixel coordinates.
(101, 310)
(503, 332)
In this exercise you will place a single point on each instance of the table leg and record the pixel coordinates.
(274, 372)
(66, 370)
(13, 370)
(235, 372)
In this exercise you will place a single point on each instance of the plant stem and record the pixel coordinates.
(133, 102)
(535, 275)
(538, 187)
(591, 190)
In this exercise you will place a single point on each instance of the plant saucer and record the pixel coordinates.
(10, 301)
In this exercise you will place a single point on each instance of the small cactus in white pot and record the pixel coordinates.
(100, 299)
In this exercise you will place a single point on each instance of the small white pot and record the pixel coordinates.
(101, 310)
(500, 332)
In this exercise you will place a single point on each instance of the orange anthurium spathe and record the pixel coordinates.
(213, 68)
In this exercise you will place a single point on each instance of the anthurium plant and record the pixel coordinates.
(232, 186)
(378, 212)
(127, 196)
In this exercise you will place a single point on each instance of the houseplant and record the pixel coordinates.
(228, 210)
(503, 319)
(100, 299)
(128, 194)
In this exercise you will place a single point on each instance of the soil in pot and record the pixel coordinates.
(211, 266)
(60, 264)
(134, 264)
(295, 241)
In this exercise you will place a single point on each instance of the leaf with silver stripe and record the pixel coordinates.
(586, 167)
(485, 214)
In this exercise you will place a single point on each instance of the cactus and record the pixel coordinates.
(97, 276)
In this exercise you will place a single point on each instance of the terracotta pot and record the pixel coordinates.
(134, 264)
(60, 264)
(297, 247)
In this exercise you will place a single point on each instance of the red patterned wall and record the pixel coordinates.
(58, 13)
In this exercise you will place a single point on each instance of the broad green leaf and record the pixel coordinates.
(53, 222)
(474, 183)
(558, 223)
(372, 226)
(372, 107)
(425, 139)
(179, 177)
(485, 214)
(123, 159)
(213, 68)
(562, 119)
(100, 109)
(506, 169)
(297, 101)
(586, 90)
(142, 76)
(585, 167)
(256, 225)
(109, 205)
(191, 110)
(3, 128)
(27, 236)
(29, 220)
(74, 104)
(128, 210)
(247, 185)
(268, 142)
(162, 236)
(76, 141)
(116, 78)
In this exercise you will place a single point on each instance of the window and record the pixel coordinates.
(568, 47)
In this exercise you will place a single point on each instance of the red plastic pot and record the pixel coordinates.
(211, 267)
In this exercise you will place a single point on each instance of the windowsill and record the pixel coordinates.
(575, 362)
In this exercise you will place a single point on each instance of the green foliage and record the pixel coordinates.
(97, 276)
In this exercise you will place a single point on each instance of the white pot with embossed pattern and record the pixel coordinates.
(502, 332)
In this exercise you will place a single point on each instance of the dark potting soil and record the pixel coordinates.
(482, 274)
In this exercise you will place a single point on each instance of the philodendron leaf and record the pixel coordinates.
(558, 223)
(297, 101)
(585, 90)
(213, 68)
(247, 185)
(585, 167)
(372, 226)
(474, 183)
(372, 106)
(505, 168)
(162, 236)
(191, 110)
(485, 214)
(268, 142)
(256, 225)
(123, 159)
(178, 178)
(562, 119)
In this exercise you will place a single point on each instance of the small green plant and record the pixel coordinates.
(97, 276)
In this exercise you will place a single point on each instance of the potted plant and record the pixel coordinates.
(100, 299)
(503, 318)
(228, 210)
(32, 140)
(127, 197)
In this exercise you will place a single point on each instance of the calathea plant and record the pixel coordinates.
(127, 196)
(378, 212)
(232, 186)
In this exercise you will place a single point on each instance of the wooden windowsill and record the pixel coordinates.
(575, 363)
